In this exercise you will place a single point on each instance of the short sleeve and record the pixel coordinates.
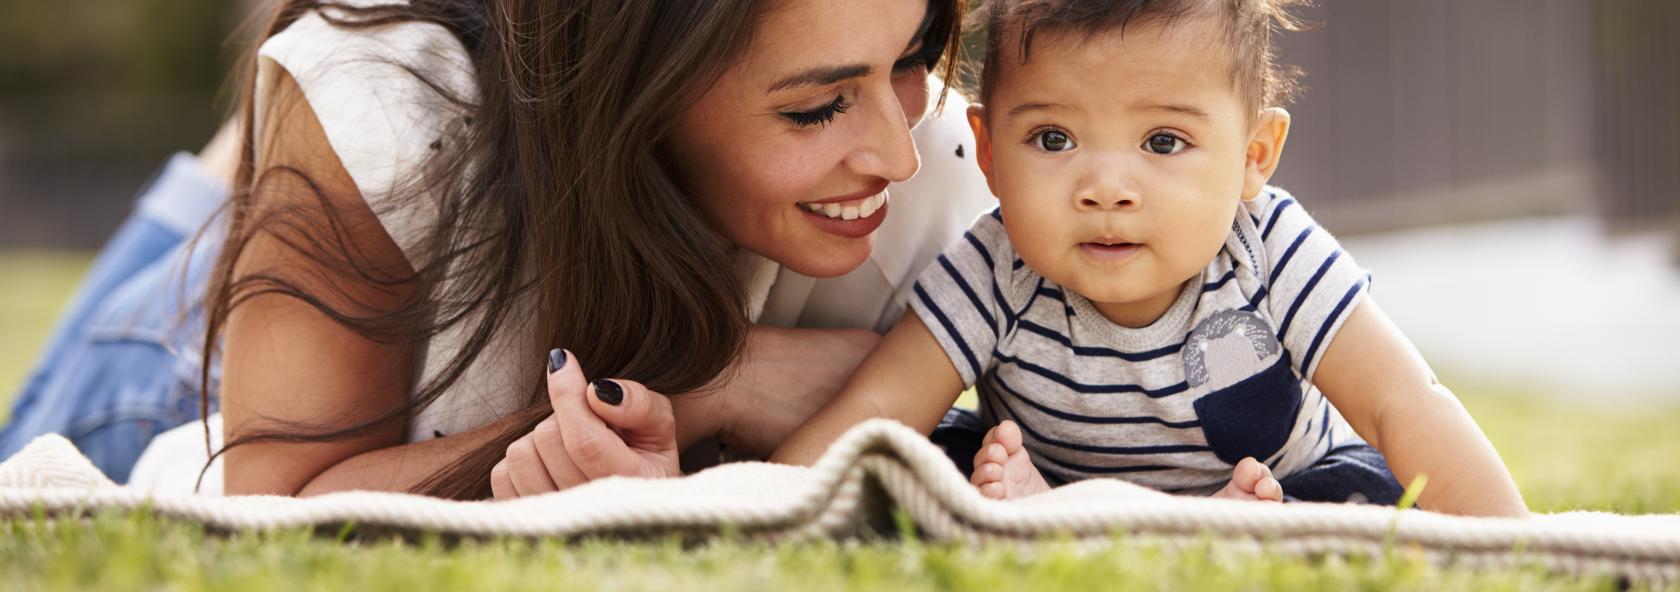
(962, 297)
(1312, 284)
(387, 96)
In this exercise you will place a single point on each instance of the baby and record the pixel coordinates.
(1142, 305)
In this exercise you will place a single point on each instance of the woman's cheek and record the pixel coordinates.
(912, 92)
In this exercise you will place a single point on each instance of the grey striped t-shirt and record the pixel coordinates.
(1225, 373)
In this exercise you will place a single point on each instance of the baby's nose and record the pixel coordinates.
(1107, 198)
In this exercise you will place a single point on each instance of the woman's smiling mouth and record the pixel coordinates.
(848, 210)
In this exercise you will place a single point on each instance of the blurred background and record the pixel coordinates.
(1508, 169)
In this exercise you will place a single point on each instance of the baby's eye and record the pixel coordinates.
(1165, 144)
(1054, 141)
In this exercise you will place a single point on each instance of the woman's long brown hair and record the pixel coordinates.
(556, 191)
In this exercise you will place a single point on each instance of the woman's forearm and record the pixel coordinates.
(404, 467)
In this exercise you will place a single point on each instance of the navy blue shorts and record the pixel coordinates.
(1353, 472)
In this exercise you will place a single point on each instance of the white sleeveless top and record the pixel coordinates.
(382, 122)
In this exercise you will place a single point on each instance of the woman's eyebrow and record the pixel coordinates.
(822, 76)
(826, 75)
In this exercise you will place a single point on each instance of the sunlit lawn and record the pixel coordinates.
(1565, 456)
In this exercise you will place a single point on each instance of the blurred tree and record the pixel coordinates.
(93, 95)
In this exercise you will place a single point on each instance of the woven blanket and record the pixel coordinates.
(878, 467)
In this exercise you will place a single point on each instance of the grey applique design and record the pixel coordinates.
(1219, 330)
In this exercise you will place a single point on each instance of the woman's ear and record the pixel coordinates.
(1265, 148)
(982, 144)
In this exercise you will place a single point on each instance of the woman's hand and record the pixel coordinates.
(786, 375)
(600, 429)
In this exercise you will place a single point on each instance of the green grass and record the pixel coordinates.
(115, 551)
(37, 285)
(1564, 456)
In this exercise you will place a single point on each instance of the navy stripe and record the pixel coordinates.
(1220, 283)
(1033, 298)
(997, 293)
(1091, 389)
(1162, 449)
(1073, 417)
(996, 214)
(1324, 424)
(1051, 477)
(1100, 352)
(1016, 266)
(1330, 441)
(984, 254)
(950, 329)
(1277, 212)
(973, 298)
(1306, 291)
(1102, 470)
(1003, 306)
(1052, 293)
(1254, 302)
(1300, 238)
(1335, 313)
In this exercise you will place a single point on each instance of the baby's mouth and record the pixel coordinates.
(1110, 250)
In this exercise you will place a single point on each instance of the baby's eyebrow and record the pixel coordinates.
(1025, 107)
(1177, 108)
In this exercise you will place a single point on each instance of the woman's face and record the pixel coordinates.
(790, 152)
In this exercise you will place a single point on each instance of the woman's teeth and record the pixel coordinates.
(848, 210)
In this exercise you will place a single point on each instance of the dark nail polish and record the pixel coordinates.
(608, 392)
(556, 360)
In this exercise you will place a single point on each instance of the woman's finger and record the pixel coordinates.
(551, 446)
(594, 448)
(501, 486)
(642, 417)
(526, 470)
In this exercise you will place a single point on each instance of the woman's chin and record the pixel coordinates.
(829, 257)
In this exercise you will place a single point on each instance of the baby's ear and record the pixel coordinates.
(1265, 148)
(982, 144)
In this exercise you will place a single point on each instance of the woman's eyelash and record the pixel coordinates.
(821, 116)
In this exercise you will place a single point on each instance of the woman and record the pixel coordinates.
(436, 193)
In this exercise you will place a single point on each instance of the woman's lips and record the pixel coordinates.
(1110, 252)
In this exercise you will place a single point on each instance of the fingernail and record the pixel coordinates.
(556, 360)
(608, 392)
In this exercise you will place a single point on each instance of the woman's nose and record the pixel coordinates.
(886, 149)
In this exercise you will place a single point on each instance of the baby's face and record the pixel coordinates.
(1119, 159)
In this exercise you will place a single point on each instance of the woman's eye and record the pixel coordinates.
(1054, 141)
(1165, 144)
(821, 116)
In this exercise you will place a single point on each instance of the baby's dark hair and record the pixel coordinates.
(1249, 25)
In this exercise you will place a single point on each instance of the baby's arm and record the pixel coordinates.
(907, 378)
(1385, 390)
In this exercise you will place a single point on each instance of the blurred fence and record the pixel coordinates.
(1416, 112)
(1432, 111)
(1639, 112)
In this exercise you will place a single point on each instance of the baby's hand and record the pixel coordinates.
(1252, 480)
